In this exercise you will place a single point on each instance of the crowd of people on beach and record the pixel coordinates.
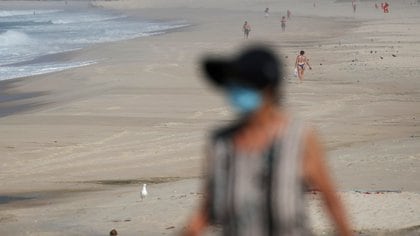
(301, 60)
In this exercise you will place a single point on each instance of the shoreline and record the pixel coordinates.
(63, 57)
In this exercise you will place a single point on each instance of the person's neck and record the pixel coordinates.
(265, 116)
(259, 129)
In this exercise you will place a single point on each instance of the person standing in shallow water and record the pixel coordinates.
(246, 28)
(300, 64)
(259, 166)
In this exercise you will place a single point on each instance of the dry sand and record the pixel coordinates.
(77, 145)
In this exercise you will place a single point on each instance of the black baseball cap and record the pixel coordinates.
(256, 66)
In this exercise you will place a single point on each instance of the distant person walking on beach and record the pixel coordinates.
(386, 7)
(354, 6)
(289, 14)
(283, 23)
(266, 12)
(246, 28)
(301, 62)
(259, 166)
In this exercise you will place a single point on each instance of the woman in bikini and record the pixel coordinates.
(300, 63)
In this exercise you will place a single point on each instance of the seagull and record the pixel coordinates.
(143, 193)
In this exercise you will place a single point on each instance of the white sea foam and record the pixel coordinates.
(11, 72)
(13, 38)
(25, 12)
(25, 37)
(85, 19)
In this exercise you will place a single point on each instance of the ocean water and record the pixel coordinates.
(29, 37)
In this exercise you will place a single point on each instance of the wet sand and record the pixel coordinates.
(93, 135)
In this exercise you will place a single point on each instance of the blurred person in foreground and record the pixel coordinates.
(259, 167)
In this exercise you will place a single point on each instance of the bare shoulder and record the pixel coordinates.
(314, 157)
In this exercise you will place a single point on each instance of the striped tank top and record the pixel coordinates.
(257, 193)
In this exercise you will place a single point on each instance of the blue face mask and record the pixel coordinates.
(243, 99)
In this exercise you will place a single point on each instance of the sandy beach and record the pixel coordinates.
(77, 145)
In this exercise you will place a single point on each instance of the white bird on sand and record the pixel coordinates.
(143, 193)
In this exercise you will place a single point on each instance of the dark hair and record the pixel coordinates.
(302, 52)
(256, 66)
